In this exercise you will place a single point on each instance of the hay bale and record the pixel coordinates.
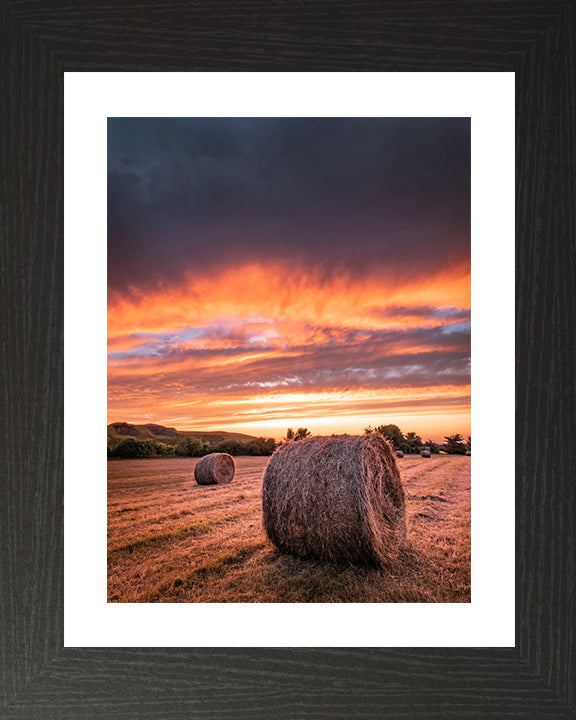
(335, 498)
(399, 453)
(215, 469)
(426, 453)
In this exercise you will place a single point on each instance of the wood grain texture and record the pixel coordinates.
(39, 41)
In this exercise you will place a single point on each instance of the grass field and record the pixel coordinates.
(170, 540)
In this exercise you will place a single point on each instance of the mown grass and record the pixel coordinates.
(171, 540)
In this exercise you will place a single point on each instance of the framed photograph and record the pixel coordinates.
(118, 93)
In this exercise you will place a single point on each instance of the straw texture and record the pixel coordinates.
(337, 498)
(215, 469)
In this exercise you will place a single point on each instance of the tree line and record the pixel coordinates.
(129, 448)
(412, 443)
(409, 443)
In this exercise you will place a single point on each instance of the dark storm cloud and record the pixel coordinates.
(187, 193)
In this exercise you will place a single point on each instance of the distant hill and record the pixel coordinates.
(119, 430)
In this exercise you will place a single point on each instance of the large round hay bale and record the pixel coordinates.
(335, 498)
(426, 453)
(215, 469)
(399, 454)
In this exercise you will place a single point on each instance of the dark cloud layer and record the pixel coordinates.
(189, 193)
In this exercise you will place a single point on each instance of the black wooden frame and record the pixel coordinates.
(39, 41)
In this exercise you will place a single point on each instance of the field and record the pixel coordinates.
(170, 540)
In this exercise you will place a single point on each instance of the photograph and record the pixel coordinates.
(289, 345)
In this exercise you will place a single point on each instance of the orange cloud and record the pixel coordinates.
(288, 293)
(260, 345)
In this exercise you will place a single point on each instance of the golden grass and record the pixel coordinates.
(171, 540)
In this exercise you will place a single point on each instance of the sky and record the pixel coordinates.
(267, 273)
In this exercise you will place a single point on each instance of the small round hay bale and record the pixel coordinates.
(426, 453)
(335, 498)
(399, 453)
(215, 469)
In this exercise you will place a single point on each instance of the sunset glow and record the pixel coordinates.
(255, 318)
